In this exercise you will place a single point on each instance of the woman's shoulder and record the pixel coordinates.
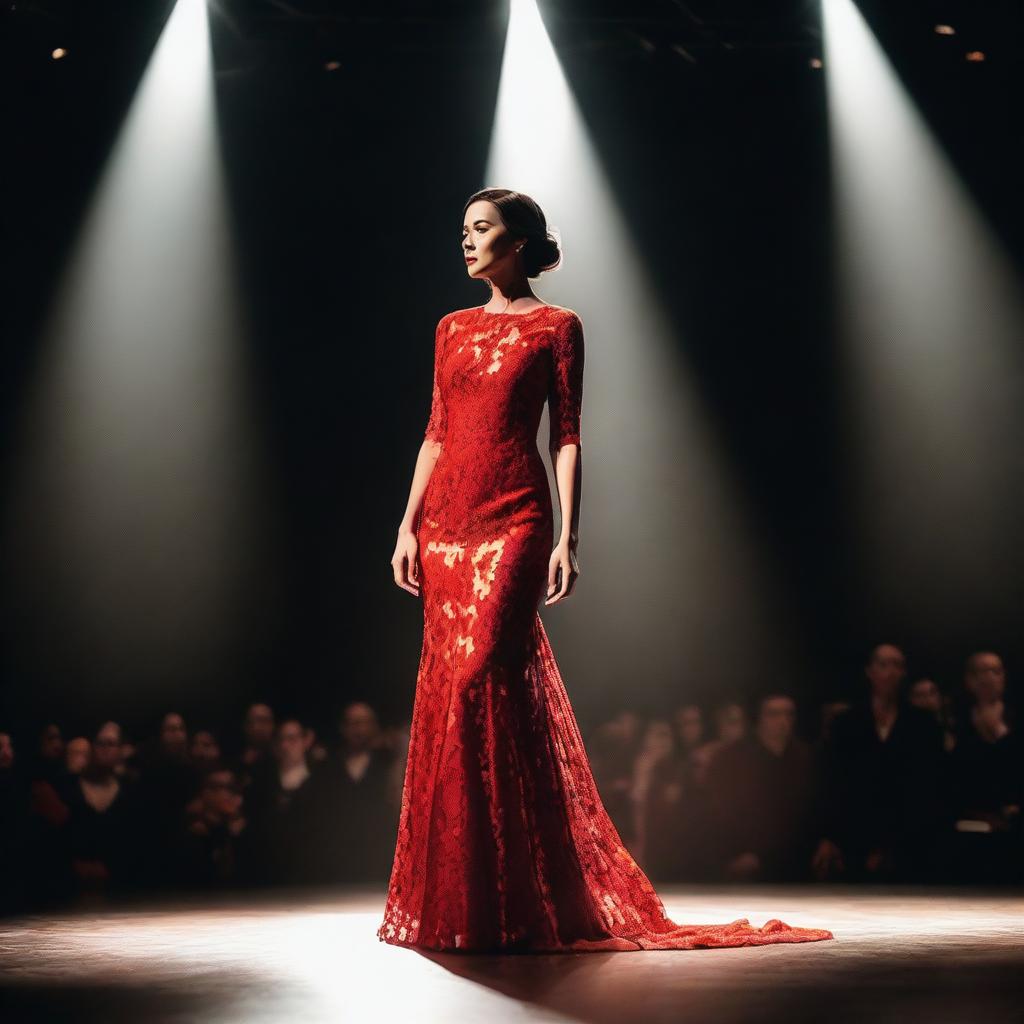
(566, 313)
(549, 310)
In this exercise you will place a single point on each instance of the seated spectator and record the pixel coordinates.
(257, 755)
(730, 726)
(612, 750)
(657, 747)
(14, 820)
(688, 722)
(77, 754)
(214, 847)
(925, 694)
(204, 750)
(359, 818)
(49, 877)
(283, 808)
(103, 841)
(48, 764)
(168, 781)
(884, 806)
(761, 793)
(668, 808)
(987, 771)
(173, 736)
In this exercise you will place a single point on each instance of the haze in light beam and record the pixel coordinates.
(130, 510)
(669, 573)
(931, 323)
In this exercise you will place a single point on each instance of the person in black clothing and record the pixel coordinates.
(215, 846)
(924, 693)
(884, 807)
(255, 762)
(613, 748)
(761, 794)
(48, 764)
(102, 827)
(987, 769)
(284, 808)
(359, 817)
(14, 822)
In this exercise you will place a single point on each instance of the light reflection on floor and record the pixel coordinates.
(902, 955)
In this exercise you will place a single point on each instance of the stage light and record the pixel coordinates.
(975, 56)
(945, 30)
(128, 528)
(660, 473)
(930, 321)
(59, 53)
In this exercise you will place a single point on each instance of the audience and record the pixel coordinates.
(667, 807)
(986, 775)
(762, 800)
(213, 848)
(925, 694)
(101, 827)
(904, 783)
(14, 826)
(77, 754)
(283, 806)
(358, 785)
(204, 748)
(258, 736)
(730, 726)
(613, 750)
(882, 773)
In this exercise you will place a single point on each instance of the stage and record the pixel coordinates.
(899, 955)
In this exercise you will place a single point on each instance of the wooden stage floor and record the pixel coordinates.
(899, 955)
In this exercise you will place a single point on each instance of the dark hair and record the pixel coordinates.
(872, 651)
(768, 693)
(523, 218)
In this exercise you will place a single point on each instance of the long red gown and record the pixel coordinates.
(503, 842)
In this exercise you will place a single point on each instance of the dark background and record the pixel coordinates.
(346, 190)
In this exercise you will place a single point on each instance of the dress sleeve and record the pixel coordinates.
(565, 399)
(438, 419)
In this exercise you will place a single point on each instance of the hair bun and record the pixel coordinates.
(540, 254)
(523, 218)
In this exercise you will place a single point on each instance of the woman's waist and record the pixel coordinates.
(458, 491)
(515, 463)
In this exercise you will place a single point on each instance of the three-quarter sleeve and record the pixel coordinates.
(565, 400)
(438, 418)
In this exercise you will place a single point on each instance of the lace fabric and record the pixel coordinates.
(503, 841)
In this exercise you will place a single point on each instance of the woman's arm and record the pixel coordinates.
(563, 566)
(405, 560)
(567, 463)
(565, 406)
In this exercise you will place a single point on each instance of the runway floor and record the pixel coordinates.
(899, 955)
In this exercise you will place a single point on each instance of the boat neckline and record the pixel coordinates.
(487, 312)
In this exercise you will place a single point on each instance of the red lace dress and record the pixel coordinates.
(503, 842)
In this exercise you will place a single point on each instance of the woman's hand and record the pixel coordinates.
(563, 570)
(405, 562)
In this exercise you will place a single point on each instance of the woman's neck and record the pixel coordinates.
(503, 295)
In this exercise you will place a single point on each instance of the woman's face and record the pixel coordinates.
(486, 243)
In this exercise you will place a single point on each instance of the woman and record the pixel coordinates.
(503, 842)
